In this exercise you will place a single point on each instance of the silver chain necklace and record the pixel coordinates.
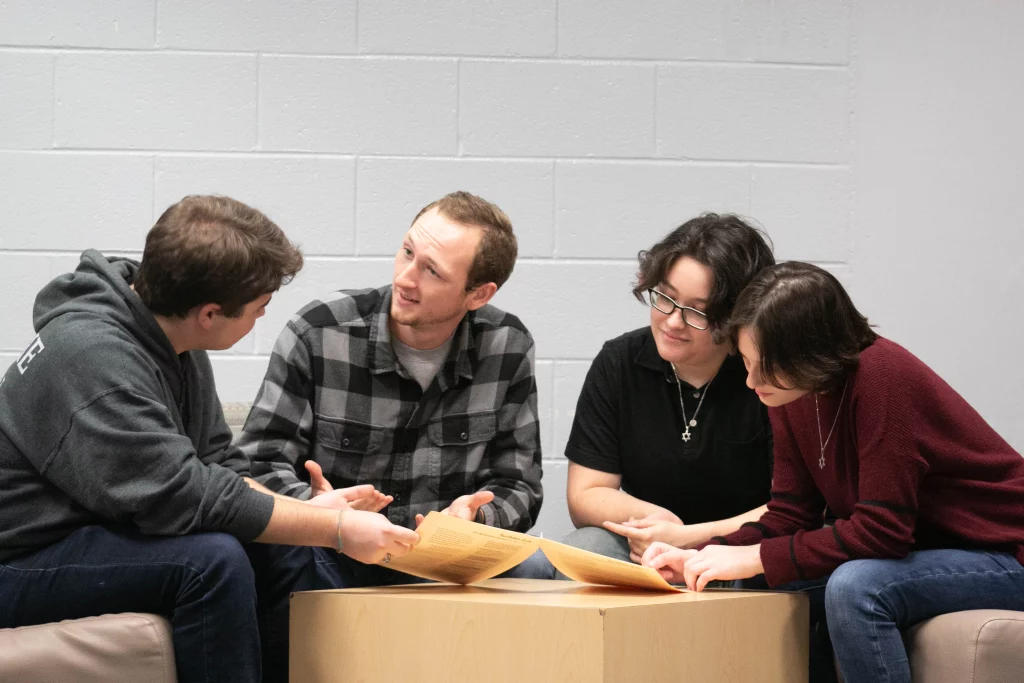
(693, 422)
(817, 418)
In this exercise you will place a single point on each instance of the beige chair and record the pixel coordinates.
(113, 648)
(977, 646)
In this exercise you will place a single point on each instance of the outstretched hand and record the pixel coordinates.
(465, 507)
(363, 497)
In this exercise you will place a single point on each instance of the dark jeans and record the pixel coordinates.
(227, 603)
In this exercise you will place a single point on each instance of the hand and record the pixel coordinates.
(641, 533)
(668, 560)
(713, 562)
(465, 507)
(368, 536)
(362, 497)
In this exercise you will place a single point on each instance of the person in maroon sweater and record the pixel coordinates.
(928, 499)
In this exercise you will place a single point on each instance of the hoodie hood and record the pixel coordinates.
(100, 289)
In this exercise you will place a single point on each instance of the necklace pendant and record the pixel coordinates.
(821, 461)
(693, 423)
(686, 435)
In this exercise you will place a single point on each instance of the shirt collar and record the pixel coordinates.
(381, 357)
(649, 358)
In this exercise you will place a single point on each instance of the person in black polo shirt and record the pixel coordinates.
(668, 444)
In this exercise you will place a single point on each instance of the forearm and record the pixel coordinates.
(256, 486)
(724, 527)
(599, 504)
(293, 522)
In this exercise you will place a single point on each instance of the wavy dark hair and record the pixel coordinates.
(808, 332)
(208, 249)
(734, 250)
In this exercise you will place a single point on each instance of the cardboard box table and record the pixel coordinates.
(532, 631)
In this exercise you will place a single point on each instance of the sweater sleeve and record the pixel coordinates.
(890, 472)
(796, 504)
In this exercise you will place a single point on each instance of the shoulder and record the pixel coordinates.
(885, 361)
(78, 359)
(345, 307)
(492, 326)
(630, 343)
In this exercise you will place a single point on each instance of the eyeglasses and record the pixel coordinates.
(691, 316)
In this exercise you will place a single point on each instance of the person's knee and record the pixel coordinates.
(221, 557)
(596, 540)
(850, 587)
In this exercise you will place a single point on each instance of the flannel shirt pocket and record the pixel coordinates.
(463, 429)
(349, 436)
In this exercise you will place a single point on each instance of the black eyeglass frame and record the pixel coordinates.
(652, 294)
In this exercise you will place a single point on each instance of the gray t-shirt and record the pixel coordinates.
(422, 364)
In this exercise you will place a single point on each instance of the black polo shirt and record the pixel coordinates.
(628, 422)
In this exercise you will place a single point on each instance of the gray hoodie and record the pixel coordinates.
(102, 423)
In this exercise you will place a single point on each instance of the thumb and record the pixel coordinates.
(316, 474)
(481, 498)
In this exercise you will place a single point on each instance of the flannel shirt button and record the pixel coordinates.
(345, 442)
(463, 436)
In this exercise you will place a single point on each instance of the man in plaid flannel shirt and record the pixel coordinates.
(419, 388)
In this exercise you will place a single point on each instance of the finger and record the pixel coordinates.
(316, 476)
(402, 535)
(383, 503)
(480, 498)
(620, 529)
(693, 569)
(353, 493)
(419, 520)
(655, 549)
(706, 577)
(636, 558)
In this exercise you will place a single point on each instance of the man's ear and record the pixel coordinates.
(205, 315)
(480, 295)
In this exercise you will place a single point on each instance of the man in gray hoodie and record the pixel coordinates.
(119, 487)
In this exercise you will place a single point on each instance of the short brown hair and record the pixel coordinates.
(211, 249)
(496, 256)
(808, 332)
(733, 250)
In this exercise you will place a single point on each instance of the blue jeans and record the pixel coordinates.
(227, 604)
(868, 603)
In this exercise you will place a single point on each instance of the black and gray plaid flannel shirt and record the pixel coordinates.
(335, 393)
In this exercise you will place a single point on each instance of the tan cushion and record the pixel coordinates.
(114, 648)
(235, 414)
(981, 646)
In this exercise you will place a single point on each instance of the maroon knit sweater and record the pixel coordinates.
(910, 466)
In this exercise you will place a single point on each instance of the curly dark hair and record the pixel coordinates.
(808, 332)
(734, 251)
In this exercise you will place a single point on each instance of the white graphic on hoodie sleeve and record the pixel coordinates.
(33, 350)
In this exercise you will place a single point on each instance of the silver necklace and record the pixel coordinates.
(817, 418)
(692, 422)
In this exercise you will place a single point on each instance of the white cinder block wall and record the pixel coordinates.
(598, 126)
